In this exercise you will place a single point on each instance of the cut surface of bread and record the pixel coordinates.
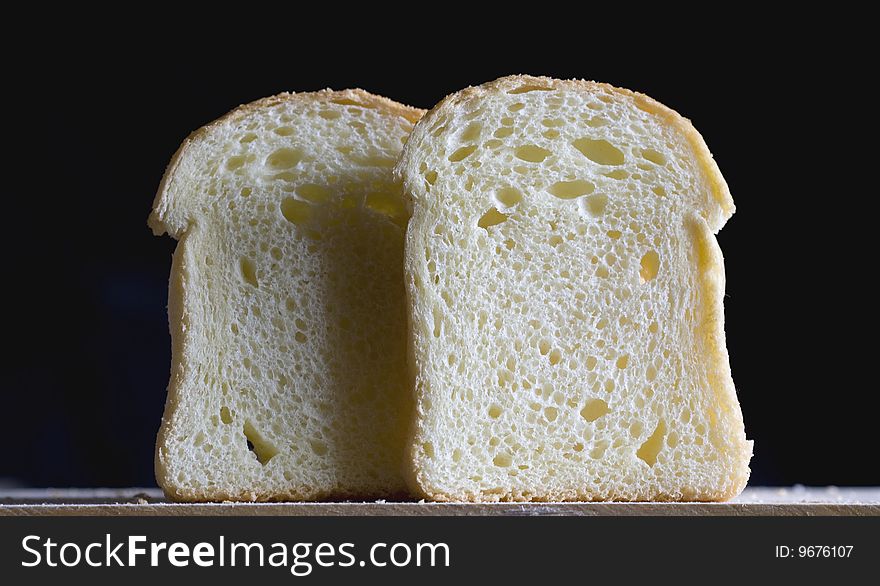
(565, 289)
(286, 302)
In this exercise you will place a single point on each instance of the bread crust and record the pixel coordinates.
(165, 218)
(711, 274)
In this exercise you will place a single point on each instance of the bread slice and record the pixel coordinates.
(565, 291)
(286, 302)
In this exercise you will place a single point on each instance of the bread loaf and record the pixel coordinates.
(286, 302)
(565, 290)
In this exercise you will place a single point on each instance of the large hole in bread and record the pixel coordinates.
(594, 409)
(651, 448)
(649, 266)
(502, 460)
(295, 211)
(284, 158)
(508, 196)
(248, 271)
(472, 132)
(570, 189)
(599, 151)
(491, 218)
(462, 153)
(654, 156)
(531, 153)
(258, 445)
(595, 204)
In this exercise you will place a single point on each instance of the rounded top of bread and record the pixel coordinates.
(161, 221)
(476, 97)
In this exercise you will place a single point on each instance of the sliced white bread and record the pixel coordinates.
(286, 302)
(565, 290)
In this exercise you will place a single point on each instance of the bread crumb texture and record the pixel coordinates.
(287, 306)
(566, 300)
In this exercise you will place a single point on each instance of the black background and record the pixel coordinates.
(88, 132)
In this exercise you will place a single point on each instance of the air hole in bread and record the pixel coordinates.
(571, 189)
(555, 357)
(614, 234)
(472, 132)
(431, 177)
(653, 156)
(300, 337)
(246, 191)
(462, 153)
(551, 413)
(349, 102)
(649, 266)
(599, 449)
(551, 134)
(508, 196)
(491, 218)
(659, 190)
(649, 450)
(622, 361)
(530, 87)
(599, 151)
(238, 161)
(503, 132)
(531, 153)
(225, 415)
(283, 131)
(329, 114)
(595, 204)
(295, 211)
(502, 460)
(248, 271)
(516, 107)
(544, 347)
(313, 193)
(249, 137)
(617, 174)
(594, 409)
(258, 445)
(285, 176)
(284, 158)
(318, 447)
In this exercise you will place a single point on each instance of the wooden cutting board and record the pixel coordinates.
(793, 501)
